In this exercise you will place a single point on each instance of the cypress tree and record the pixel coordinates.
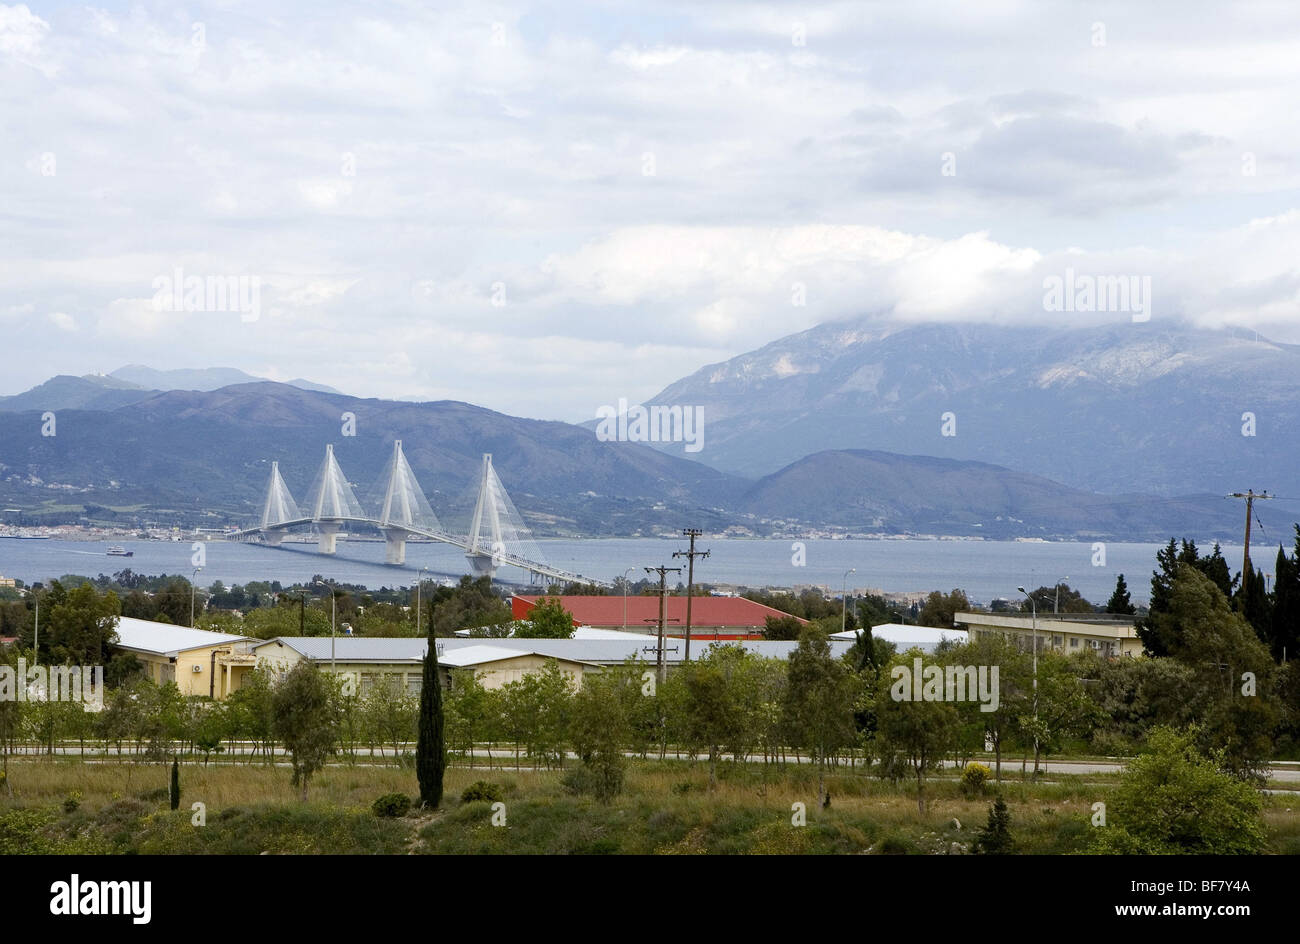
(1253, 602)
(1284, 634)
(1119, 601)
(431, 750)
(995, 838)
(175, 791)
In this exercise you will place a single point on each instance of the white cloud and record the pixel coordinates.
(21, 32)
(515, 157)
(62, 321)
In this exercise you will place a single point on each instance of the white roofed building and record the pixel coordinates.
(199, 661)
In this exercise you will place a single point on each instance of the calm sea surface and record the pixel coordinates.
(984, 569)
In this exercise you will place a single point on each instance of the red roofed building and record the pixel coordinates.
(711, 617)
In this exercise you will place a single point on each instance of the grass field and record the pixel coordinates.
(65, 806)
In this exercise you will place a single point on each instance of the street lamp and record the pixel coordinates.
(844, 597)
(1056, 607)
(1033, 609)
(36, 633)
(626, 584)
(193, 578)
(419, 585)
(333, 599)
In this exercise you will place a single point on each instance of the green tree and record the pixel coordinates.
(548, 619)
(1254, 602)
(819, 700)
(1284, 622)
(1177, 800)
(995, 838)
(468, 710)
(781, 627)
(469, 604)
(431, 748)
(250, 711)
(80, 627)
(600, 729)
(1046, 599)
(1151, 630)
(1015, 692)
(305, 719)
(911, 732)
(534, 710)
(1136, 695)
(1065, 709)
(390, 713)
(1119, 601)
(173, 602)
(940, 609)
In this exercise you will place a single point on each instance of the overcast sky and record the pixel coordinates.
(541, 208)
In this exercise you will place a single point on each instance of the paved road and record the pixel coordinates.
(1284, 772)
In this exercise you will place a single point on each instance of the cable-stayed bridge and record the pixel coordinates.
(497, 533)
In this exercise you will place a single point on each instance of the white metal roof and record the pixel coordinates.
(908, 636)
(601, 651)
(166, 639)
(579, 632)
(478, 655)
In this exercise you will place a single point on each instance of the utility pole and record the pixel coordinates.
(193, 579)
(662, 571)
(690, 555)
(1250, 495)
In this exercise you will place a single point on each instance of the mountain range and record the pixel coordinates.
(1146, 407)
(128, 385)
(1118, 432)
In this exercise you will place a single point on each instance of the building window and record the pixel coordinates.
(1074, 642)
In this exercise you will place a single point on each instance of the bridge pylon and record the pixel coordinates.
(332, 503)
(497, 530)
(278, 508)
(401, 505)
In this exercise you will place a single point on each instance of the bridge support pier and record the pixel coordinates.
(394, 546)
(482, 564)
(272, 538)
(329, 535)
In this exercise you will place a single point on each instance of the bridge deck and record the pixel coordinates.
(462, 542)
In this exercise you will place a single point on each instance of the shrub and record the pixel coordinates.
(392, 804)
(995, 838)
(599, 779)
(1177, 800)
(482, 791)
(894, 844)
(974, 777)
(72, 801)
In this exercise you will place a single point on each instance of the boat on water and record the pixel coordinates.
(118, 550)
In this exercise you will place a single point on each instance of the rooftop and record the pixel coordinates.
(643, 611)
(601, 651)
(166, 639)
(907, 636)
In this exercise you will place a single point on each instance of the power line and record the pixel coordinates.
(662, 571)
(1250, 495)
(690, 555)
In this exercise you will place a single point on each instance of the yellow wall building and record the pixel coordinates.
(198, 661)
(1109, 635)
(367, 660)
